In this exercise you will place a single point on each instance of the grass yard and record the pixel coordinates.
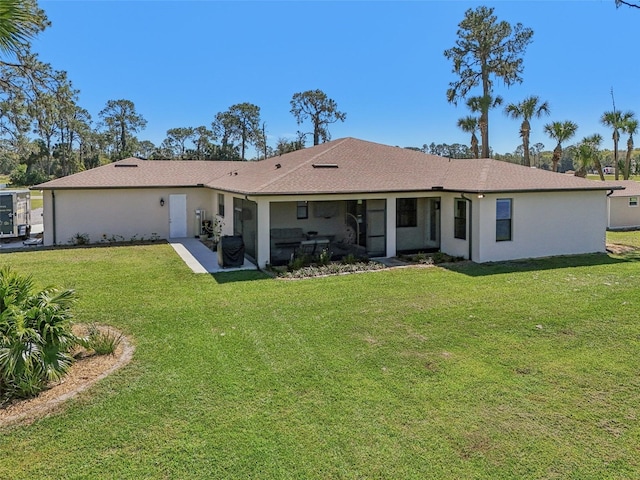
(631, 238)
(36, 201)
(611, 177)
(515, 370)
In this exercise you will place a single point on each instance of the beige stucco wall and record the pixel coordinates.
(448, 244)
(283, 215)
(621, 215)
(543, 224)
(118, 213)
(411, 238)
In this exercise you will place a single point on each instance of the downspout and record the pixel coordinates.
(53, 214)
(609, 208)
(470, 224)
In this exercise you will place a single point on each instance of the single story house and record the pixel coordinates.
(347, 195)
(623, 211)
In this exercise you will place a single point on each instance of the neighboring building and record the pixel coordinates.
(623, 208)
(348, 195)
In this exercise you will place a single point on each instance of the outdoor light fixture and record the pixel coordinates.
(481, 196)
(162, 202)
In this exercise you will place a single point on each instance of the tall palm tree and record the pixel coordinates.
(482, 105)
(588, 155)
(560, 132)
(20, 21)
(615, 120)
(470, 125)
(629, 126)
(529, 108)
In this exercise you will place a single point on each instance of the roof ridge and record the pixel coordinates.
(302, 164)
(484, 174)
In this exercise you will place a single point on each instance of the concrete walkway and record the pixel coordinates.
(200, 259)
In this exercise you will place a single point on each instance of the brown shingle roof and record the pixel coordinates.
(134, 172)
(631, 188)
(346, 165)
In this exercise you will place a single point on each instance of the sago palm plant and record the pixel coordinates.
(35, 335)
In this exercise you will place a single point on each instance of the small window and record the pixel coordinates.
(302, 210)
(460, 219)
(503, 219)
(407, 212)
(633, 201)
(221, 204)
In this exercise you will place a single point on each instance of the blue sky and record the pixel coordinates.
(181, 62)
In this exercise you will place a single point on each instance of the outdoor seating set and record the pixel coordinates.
(290, 243)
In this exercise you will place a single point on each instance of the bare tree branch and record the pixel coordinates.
(628, 4)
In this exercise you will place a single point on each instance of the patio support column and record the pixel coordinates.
(263, 233)
(391, 227)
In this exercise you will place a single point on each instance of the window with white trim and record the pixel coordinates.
(221, 204)
(633, 201)
(460, 219)
(503, 219)
(302, 210)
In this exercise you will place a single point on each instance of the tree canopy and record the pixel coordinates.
(20, 21)
(320, 109)
(121, 121)
(530, 107)
(486, 49)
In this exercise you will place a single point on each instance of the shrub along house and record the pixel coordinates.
(347, 196)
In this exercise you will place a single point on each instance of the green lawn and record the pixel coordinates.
(36, 201)
(514, 370)
(612, 177)
(625, 238)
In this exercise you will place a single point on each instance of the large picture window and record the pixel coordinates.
(460, 219)
(407, 212)
(503, 219)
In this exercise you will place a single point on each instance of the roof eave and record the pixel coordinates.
(115, 187)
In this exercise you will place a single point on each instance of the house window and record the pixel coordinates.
(633, 201)
(407, 212)
(302, 210)
(460, 219)
(503, 219)
(221, 204)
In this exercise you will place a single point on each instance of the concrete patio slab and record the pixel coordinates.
(201, 259)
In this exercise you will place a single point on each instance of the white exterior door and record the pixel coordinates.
(177, 216)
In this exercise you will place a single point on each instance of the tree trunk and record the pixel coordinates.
(616, 137)
(627, 163)
(474, 146)
(599, 168)
(555, 159)
(484, 115)
(524, 132)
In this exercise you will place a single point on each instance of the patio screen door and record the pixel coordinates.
(376, 228)
(177, 216)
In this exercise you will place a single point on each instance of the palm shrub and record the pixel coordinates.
(35, 335)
